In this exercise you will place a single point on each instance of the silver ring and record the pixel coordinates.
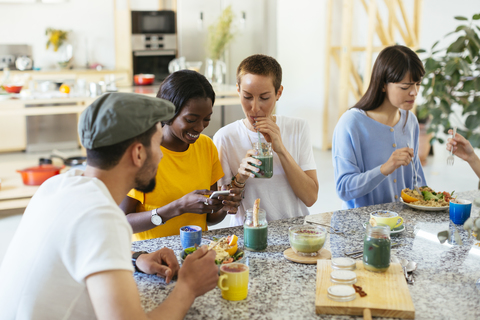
(212, 210)
(206, 203)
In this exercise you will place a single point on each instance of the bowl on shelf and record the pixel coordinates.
(143, 79)
(307, 240)
(12, 88)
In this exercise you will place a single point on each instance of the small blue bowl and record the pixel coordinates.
(460, 210)
(190, 236)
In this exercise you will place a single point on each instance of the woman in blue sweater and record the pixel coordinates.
(375, 143)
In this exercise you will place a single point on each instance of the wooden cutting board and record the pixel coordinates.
(289, 254)
(387, 293)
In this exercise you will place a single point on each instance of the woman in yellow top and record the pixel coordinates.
(189, 169)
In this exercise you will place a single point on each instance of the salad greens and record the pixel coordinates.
(432, 195)
(237, 256)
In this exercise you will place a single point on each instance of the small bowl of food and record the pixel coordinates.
(307, 240)
(226, 251)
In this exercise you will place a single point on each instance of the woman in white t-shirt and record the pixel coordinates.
(293, 186)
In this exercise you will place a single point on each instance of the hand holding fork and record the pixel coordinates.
(451, 158)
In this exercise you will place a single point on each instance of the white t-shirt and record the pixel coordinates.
(277, 197)
(71, 229)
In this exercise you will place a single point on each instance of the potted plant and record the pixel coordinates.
(220, 35)
(451, 86)
(58, 39)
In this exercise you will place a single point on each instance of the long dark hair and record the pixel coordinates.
(183, 85)
(391, 66)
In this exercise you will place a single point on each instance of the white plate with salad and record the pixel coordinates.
(428, 200)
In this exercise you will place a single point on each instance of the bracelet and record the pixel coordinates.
(236, 183)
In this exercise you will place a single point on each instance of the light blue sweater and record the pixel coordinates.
(361, 146)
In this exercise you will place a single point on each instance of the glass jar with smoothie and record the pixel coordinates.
(265, 155)
(376, 248)
(255, 237)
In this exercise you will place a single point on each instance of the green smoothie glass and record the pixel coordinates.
(376, 248)
(255, 237)
(265, 155)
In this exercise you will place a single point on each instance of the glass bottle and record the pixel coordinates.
(265, 155)
(376, 248)
(255, 236)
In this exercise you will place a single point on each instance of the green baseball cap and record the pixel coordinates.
(116, 117)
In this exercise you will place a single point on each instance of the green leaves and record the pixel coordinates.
(458, 46)
(431, 65)
(472, 107)
(451, 67)
(452, 83)
(475, 140)
(472, 122)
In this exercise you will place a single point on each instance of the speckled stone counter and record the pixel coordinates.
(279, 289)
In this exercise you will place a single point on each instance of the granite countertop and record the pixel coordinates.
(445, 280)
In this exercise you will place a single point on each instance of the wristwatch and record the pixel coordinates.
(156, 219)
(135, 256)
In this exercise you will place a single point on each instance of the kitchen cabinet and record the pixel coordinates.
(13, 133)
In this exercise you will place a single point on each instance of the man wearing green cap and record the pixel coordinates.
(70, 257)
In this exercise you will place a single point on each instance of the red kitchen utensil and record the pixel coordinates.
(143, 79)
(35, 176)
(12, 88)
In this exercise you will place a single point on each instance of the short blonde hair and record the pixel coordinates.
(262, 65)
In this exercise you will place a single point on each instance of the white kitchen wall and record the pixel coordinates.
(90, 22)
(301, 52)
(301, 31)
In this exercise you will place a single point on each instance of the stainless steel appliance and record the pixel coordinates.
(153, 22)
(10, 53)
(154, 42)
(48, 132)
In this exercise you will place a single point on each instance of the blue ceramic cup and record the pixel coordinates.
(460, 210)
(190, 236)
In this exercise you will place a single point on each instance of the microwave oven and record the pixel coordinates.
(153, 22)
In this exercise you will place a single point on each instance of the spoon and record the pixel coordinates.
(411, 266)
(443, 236)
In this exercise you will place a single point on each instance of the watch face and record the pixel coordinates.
(156, 220)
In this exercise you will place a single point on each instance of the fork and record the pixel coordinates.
(415, 186)
(335, 231)
(451, 158)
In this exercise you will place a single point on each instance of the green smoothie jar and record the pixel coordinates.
(255, 237)
(265, 155)
(376, 248)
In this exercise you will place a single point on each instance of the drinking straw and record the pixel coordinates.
(256, 206)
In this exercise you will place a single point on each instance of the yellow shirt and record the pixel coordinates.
(180, 173)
